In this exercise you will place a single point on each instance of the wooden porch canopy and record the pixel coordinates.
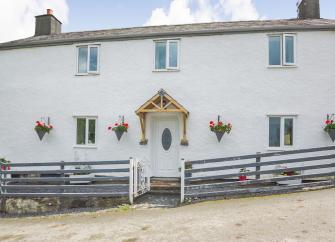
(161, 103)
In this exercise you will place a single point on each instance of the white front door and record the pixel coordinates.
(165, 146)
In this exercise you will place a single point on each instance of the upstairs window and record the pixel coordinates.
(166, 55)
(281, 131)
(282, 50)
(85, 131)
(88, 59)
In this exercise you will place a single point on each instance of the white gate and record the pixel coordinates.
(139, 182)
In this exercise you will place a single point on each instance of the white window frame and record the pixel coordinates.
(167, 56)
(88, 72)
(284, 49)
(87, 118)
(283, 62)
(282, 132)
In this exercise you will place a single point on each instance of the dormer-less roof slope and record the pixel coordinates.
(214, 28)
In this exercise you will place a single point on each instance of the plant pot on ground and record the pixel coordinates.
(243, 177)
(288, 173)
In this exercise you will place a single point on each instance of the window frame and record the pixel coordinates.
(283, 62)
(88, 72)
(284, 50)
(167, 55)
(87, 119)
(282, 132)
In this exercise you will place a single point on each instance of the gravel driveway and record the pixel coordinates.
(308, 216)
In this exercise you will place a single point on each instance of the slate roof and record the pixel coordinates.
(213, 28)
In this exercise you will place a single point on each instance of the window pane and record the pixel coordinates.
(93, 59)
(81, 131)
(289, 49)
(274, 50)
(274, 132)
(82, 59)
(160, 55)
(288, 131)
(91, 131)
(173, 54)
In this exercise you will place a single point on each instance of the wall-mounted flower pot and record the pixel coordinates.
(40, 133)
(219, 135)
(119, 134)
(331, 133)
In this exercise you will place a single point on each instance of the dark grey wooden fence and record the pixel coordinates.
(214, 177)
(54, 179)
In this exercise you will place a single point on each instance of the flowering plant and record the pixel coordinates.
(329, 124)
(5, 164)
(119, 126)
(220, 127)
(41, 126)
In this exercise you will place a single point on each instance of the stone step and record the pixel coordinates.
(165, 183)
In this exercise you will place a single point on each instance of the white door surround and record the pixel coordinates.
(165, 136)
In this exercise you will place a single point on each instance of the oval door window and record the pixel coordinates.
(166, 139)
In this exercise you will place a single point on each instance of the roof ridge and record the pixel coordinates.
(141, 32)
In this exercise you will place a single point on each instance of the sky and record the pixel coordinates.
(17, 16)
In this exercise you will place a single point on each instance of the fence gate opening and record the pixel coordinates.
(139, 182)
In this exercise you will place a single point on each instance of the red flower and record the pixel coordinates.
(109, 128)
(220, 123)
(211, 122)
(327, 121)
(125, 125)
(116, 124)
(229, 124)
(332, 121)
(50, 126)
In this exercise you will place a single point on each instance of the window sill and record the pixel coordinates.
(85, 147)
(280, 148)
(282, 67)
(87, 74)
(167, 70)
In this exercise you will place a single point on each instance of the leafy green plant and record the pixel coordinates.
(41, 126)
(119, 127)
(330, 124)
(220, 127)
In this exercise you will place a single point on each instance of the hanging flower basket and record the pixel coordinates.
(41, 129)
(5, 164)
(119, 129)
(220, 129)
(330, 128)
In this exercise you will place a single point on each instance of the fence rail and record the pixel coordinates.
(101, 179)
(200, 178)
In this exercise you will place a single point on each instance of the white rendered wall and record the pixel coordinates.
(220, 75)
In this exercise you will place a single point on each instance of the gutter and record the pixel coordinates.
(42, 43)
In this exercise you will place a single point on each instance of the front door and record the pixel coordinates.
(165, 146)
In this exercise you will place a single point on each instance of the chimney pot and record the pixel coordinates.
(50, 11)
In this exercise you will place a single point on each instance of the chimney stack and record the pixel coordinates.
(308, 9)
(47, 24)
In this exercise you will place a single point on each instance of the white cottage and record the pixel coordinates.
(273, 80)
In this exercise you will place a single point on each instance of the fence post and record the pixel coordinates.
(182, 181)
(0, 179)
(131, 180)
(258, 168)
(2, 199)
(62, 167)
